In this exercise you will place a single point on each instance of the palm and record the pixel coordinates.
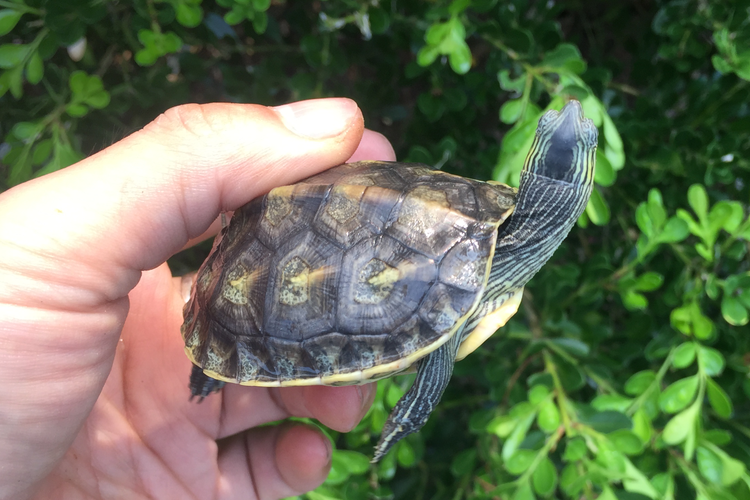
(145, 438)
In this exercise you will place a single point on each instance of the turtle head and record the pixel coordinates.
(564, 148)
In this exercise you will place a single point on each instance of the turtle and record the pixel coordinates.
(372, 268)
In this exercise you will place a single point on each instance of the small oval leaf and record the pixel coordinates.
(544, 478)
(678, 395)
(718, 399)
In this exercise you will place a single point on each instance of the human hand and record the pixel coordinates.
(94, 400)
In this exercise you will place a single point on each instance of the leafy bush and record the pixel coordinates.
(625, 374)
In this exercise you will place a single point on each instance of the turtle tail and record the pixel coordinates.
(201, 385)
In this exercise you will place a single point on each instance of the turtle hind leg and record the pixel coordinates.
(414, 408)
(202, 385)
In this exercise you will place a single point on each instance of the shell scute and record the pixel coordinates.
(286, 211)
(300, 301)
(382, 284)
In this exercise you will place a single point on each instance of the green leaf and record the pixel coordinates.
(171, 42)
(710, 361)
(655, 205)
(634, 301)
(575, 92)
(464, 462)
(613, 402)
(98, 100)
(35, 68)
(675, 230)
(406, 455)
(680, 426)
(436, 33)
(458, 6)
(717, 436)
(146, 57)
(607, 494)
(643, 220)
(515, 146)
(698, 200)
(642, 425)
(8, 20)
(12, 55)
(636, 482)
(76, 110)
(733, 311)
(427, 55)
(702, 327)
(544, 478)
(718, 399)
(575, 449)
(721, 65)
(684, 355)
(188, 15)
(460, 58)
(709, 464)
(511, 111)
(613, 461)
(524, 492)
(260, 22)
(78, 81)
(604, 175)
(234, 17)
(12, 80)
(508, 84)
(626, 441)
(648, 282)
(519, 462)
(565, 57)
(537, 394)
(548, 417)
(730, 469)
(393, 394)
(42, 150)
(597, 208)
(607, 421)
(26, 130)
(355, 463)
(322, 493)
(339, 471)
(679, 394)
(517, 436)
(502, 425)
(614, 151)
(575, 347)
(639, 382)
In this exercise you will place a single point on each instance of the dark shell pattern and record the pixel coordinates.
(348, 276)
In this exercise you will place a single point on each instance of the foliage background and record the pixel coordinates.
(625, 374)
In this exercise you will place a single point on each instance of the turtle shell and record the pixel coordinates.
(349, 276)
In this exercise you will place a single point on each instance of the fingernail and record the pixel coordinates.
(328, 447)
(318, 118)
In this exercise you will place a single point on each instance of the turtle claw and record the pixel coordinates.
(201, 385)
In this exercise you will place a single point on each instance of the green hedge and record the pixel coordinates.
(625, 374)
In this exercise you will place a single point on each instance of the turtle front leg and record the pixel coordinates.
(412, 411)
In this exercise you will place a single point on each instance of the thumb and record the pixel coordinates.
(74, 243)
(134, 204)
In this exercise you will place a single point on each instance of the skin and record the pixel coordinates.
(94, 377)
